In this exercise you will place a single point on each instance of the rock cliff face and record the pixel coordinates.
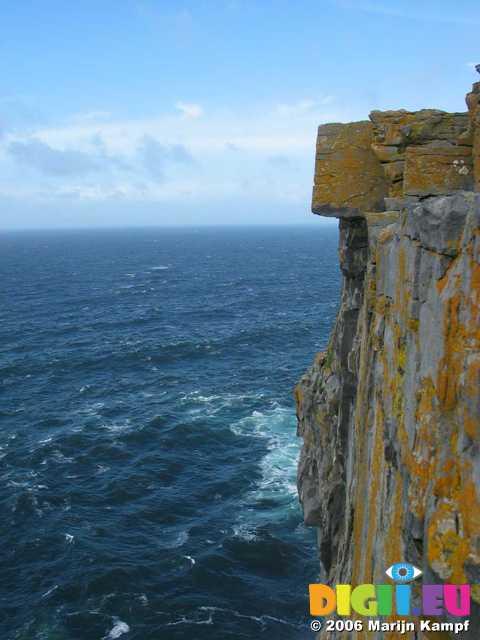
(390, 412)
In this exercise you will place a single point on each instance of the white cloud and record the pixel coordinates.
(262, 132)
(279, 161)
(190, 109)
(39, 155)
(302, 107)
(155, 155)
(297, 108)
(259, 152)
(91, 116)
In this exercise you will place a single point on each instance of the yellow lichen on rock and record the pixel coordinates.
(390, 414)
(348, 177)
(437, 169)
(473, 103)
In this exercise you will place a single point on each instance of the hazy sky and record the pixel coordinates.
(119, 112)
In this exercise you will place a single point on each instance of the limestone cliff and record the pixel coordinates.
(390, 412)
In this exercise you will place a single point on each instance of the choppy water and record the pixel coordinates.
(147, 446)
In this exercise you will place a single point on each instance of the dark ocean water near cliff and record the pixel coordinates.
(147, 446)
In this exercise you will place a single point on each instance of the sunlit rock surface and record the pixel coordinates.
(390, 412)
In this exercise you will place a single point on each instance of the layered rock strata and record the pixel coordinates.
(390, 412)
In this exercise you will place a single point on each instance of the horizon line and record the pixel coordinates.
(321, 220)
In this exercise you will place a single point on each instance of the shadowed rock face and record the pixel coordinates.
(390, 412)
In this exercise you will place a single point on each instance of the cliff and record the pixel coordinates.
(390, 412)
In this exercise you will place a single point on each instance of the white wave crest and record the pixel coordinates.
(118, 629)
(262, 620)
(174, 539)
(278, 466)
(210, 405)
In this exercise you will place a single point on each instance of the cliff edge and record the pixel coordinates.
(390, 412)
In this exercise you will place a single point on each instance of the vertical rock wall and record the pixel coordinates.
(390, 412)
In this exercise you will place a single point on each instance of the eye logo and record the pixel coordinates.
(403, 572)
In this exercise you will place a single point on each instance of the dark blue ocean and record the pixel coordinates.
(147, 443)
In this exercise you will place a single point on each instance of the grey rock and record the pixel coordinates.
(394, 402)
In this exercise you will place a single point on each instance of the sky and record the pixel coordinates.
(161, 112)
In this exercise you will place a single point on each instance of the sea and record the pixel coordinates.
(148, 442)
